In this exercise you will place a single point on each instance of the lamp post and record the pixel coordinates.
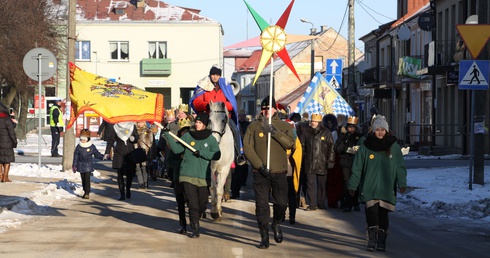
(313, 32)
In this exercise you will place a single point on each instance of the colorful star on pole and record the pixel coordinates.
(273, 40)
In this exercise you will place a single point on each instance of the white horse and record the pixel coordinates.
(218, 123)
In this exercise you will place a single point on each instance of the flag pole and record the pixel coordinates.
(270, 113)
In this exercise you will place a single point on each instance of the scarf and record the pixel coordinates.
(200, 135)
(375, 144)
(124, 130)
(86, 144)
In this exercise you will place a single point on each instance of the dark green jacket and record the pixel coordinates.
(195, 170)
(378, 175)
(255, 144)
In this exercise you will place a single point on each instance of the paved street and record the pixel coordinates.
(145, 226)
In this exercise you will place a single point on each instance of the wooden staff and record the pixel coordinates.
(177, 138)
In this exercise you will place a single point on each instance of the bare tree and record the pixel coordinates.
(24, 25)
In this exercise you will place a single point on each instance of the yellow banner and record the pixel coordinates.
(113, 101)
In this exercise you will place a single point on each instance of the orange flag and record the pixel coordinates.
(114, 102)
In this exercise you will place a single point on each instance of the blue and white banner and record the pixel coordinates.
(321, 98)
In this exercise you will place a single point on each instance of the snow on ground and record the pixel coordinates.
(435, 192)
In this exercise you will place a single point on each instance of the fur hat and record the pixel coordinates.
(316, 118)
(265, 103)
(85, 134)
(379, 122)
(215, 70)
(203, 117)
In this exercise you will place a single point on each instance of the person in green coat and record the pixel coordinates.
(378, 170)
(195, 169)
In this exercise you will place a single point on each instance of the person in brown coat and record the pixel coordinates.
(8, 141)
(318, 156)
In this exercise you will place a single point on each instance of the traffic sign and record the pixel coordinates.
(473, 74)
(475, 36)
(333, 72)
(335, 81)
(48, 64)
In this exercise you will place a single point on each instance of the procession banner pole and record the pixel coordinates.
(270, 114)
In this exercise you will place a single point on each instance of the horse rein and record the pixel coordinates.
(224, 127)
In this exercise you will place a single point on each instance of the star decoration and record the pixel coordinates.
(273, 40)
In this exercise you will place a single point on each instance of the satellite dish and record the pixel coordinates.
(426, 21)
(404, 33)
(362, 66)
(473, 19)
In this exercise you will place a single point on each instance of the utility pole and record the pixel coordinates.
(480, 102)
(351, 91)
(69, 136)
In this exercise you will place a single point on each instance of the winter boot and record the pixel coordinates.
(382, 234)
(195, 229)
(372, 238)
(123, 196)
(6, 169)
(183, 228)
(264, 237)
(276, 228)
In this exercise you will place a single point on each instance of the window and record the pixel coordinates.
(82, 50)
(157, 50)
(119, 50)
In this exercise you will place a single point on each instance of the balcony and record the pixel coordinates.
(156, 67)
(370, 76)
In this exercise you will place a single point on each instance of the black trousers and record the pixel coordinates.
(349, 200)
(129, 171)
(197, 200)
(292, 200)
(55, 140)
(85, 182)
(316, 190)
(377, 216)
(179, 198)
(277, 182)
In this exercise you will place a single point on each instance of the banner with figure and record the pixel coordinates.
(114, 102)
(321, 98)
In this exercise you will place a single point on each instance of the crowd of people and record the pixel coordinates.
(301, 161)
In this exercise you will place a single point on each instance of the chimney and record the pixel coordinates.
(324, 28)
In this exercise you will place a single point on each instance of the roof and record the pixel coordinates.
(294, 94)
(153, 10)
(422, 6)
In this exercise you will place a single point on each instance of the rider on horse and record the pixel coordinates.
(214, 88)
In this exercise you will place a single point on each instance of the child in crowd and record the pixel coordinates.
(82, 160)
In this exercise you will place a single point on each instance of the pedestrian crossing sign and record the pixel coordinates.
(473, 74)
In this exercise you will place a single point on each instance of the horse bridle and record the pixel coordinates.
(224, 127)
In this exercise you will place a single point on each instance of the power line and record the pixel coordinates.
(363, 7)
(338, 31)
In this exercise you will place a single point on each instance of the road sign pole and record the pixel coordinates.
(39, 89)
(472, 138)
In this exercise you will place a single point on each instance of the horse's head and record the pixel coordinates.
(218, 118)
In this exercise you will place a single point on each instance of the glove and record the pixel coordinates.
(196, 153)
(343, 129)
(352, 192)
(330, 165)
(402, 190)
(15, 145)
(106, 157)
(265, 172)
(74, 169)
(269, 128)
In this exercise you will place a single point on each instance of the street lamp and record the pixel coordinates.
(312, 32)
(96, 60)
